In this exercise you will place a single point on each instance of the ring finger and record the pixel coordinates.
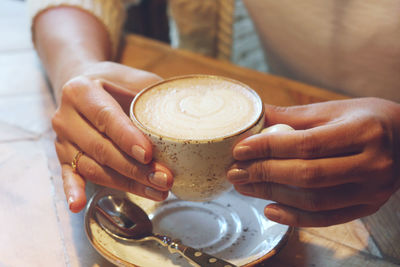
(105, 152)
(89, 169)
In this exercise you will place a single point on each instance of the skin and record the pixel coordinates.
(93, 98)
(341, 163)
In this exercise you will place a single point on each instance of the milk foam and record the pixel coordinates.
(197, 108)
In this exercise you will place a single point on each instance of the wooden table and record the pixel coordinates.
(36, 227)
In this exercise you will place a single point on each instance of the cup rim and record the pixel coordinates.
(196, 141)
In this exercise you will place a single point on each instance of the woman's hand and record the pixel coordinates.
(92, 118)
(341, 163)
(94, 96)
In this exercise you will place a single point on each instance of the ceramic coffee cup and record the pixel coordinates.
(199, 164)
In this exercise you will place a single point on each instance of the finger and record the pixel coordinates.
(309, 173)
(74, 188)
(336, 138)
(89, 169)
(105, 153)
(299, 218)
(105, 114)
(73, 183)
(126, 81)
(277, 128)
(123, 76)
(321, 199)
(122, 95)
(97, 174)
(304, 116)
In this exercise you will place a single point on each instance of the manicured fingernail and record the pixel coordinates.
(245, 189)
(238, 175)
(159, 178)
(242, 152)
(70, 201)
(138, 153)
(154, 194)
(273, 213)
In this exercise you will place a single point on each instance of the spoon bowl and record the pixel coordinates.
(123, 219)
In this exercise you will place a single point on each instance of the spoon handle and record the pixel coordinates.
(194, 256)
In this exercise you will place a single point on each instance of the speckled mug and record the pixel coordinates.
(199, 166)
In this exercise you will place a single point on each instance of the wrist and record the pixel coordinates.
(68, 40)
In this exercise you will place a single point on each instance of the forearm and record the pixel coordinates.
(67, 39)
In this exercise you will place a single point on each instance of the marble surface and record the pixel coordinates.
(37, 228)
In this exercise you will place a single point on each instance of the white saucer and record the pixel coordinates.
(232, 227)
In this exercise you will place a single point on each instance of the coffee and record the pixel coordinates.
(197, 108)
(193, 123)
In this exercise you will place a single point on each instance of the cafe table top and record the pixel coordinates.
(36, 228)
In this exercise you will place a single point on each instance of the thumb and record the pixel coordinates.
(123, 76)
(120, 81)
(122, 95)
(133, 79)
(298, 117)
(126, 84)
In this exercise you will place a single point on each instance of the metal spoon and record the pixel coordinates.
(125, 220)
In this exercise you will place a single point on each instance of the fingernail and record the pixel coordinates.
(154, 194)
(245, 189)
(242, 152)
(273, 213)
(159, 178)
(238, 175)
(70, 201)
(277, 128)
(138, 153)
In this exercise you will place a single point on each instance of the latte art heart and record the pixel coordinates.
(200, 107)
(197, 109)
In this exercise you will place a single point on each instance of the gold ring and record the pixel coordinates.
(74, 163)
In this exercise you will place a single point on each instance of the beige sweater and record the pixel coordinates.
(110, 12)
(206, 26)
(351, 48)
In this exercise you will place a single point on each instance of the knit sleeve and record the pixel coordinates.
(110, 13)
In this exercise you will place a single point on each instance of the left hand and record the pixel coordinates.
(341, 163)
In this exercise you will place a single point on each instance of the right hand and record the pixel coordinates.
(92, 118)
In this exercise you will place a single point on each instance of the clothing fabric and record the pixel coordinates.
(351, 47)
(109, 12)
(216, 28)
